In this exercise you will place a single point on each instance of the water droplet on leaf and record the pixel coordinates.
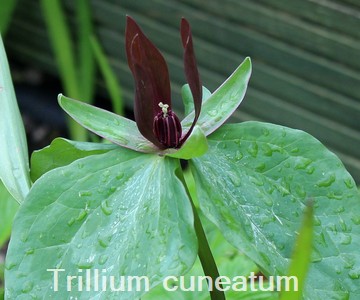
(85, 193)
(27, 286)
(349, 183)
(354, 274)
(329, 180)
(346, 240)
(253, 149)
(106, 209)
(103, 259)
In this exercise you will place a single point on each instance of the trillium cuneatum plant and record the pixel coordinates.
(125, 208)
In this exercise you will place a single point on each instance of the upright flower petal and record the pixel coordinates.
(191, 72)
(151, 76)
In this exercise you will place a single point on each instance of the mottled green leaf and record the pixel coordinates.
(14, 161)
(123, 212)
(254, 182)
(62, 152)
(223, 102)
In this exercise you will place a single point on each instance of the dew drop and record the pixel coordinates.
(268, 201)
(266, 132)
(104, 241)
(349, 183)
(9, 265)
(71, 222)
(349, 262)
(261, 167)
(332, 195)
(253, 149)
(356, 220)
(346, 240)
(85, 264)
(300, 191)
(24, 236)
(29, 251)
(267, 220)
(82, 214)
(327, 181)
(217, 118)
(27, 286)
(238, 155)
(85, 193)
(345, 227)
(267, 150)
(295, 213)
(295, 150)
(103, 259)
(120, 175)
(317, 221)
(304, 162)
(310, 170)
(354, 274)
(339, 209)
(212, 112)
(316, 256)
(256, 181)
(106, 209)
(235, 179)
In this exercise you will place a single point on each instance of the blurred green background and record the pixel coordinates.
(305, 55)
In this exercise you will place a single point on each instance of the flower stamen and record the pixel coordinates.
(164, 108)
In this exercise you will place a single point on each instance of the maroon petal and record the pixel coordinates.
(151, 76)
(191, 72)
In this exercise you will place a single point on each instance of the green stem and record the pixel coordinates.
(206, 258)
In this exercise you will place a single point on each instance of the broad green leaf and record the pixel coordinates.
(223, 102)
(110, 126)
(300, 259)
(195, 146)
(254, 182)
(187, 97)
(109, 76)
(231, 263)
(14, 161)
(123, 212)
(62, 152)
(8, 208)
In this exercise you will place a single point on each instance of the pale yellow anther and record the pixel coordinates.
(164, 108)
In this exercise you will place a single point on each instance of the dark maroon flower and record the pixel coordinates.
(153, 115)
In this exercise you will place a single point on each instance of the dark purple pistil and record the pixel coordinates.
(167, 127)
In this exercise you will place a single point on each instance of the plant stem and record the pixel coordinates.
(206, 258)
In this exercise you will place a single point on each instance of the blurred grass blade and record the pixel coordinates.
(111, 82)
(14, 160)
(301, 256)
(62, 45)
(6, 11)
(60, 38)
(86, 56)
